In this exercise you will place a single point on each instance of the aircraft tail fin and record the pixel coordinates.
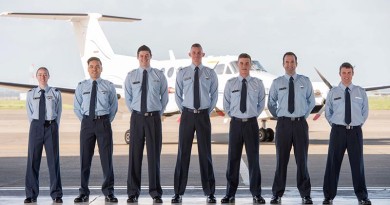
(90, 37)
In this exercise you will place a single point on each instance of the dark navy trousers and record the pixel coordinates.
(291, 133)
(190, 123)
(241, 133)
(99, 130)
(351, 140)
(43, 135)
(144, 129)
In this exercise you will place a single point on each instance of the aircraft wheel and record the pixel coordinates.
(127, 136)
(270, 134)
(262, 134)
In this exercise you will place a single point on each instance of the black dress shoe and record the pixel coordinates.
(157, 199)
(111, 198)
(276, 200)
(57, 200)
(30, 200)
(327, 201)
(211, 199)
(81, 198)
(365, 202)
(228, 199)
(132, 199)
(258, 200)
(307, 200)
(176, 199)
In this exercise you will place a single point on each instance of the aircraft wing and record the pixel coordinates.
(23, 87)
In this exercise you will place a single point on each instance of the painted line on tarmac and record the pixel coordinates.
(244, 172)
(188, 188)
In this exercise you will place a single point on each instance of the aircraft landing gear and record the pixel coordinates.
(266, 134)
(127, 136)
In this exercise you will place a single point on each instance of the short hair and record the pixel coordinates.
(43, 68)
(290, 54)
(244, 55)
(346, 65)
(144, 48)
(196, 45)
(94, 59)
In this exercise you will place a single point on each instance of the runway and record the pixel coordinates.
(14, 137)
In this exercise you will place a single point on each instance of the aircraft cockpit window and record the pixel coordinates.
(219, 69)
(170, 72)
(228, 70)
(257, 66)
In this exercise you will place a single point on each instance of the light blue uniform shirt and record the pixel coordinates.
(107, 100)
(157, 87)
(53, 104)
(278, 96)
(255, 97)
(208, 88)
(335, 105)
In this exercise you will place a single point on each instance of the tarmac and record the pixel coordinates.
(13, 152)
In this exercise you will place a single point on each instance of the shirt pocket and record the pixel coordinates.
(235, 100)
(156, 88)
(253, 95)
(102, 98)
(187, 85)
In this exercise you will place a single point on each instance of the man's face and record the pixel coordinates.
(244, 65)
(42, 77)
(346, 75)
(196, 55)
(94, 69)
(289, 64)
(144, 59)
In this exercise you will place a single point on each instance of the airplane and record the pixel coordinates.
(92, 42)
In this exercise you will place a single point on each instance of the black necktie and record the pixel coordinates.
(291, 94)
(144, 92)
(243, 96)
(42, 107)
(196, 89)
(92, 103)
(347, 106)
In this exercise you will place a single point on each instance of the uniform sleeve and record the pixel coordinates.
(272, 99)
(113, 102)
(329, 107)
(164, 93)
(365, 105)
(179, 90)
(261, 99)
(213, 91)
(77, 102)
(29, 106)
(227, 99)
(128, 93)
(311, 101)
(59, 108)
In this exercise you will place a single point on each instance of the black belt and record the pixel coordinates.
(348, 127)
(147, 114)
(195, 111)
(49, 122)
(292, 118)
(244, 119)
(97, 117)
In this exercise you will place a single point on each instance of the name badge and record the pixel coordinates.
(338, 98)
(301, 86)
(49, 97)
(136, 82)
(36, 98)
(86, 93)
(156, 80)
(234, 91)
(283, 88)
(187, 78)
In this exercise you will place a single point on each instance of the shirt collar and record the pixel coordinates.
(200, 66)
(342, 86)
(288, 76)
(248, 78)
(141, 70)
(97, 80)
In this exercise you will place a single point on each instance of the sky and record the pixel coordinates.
(323, 34)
